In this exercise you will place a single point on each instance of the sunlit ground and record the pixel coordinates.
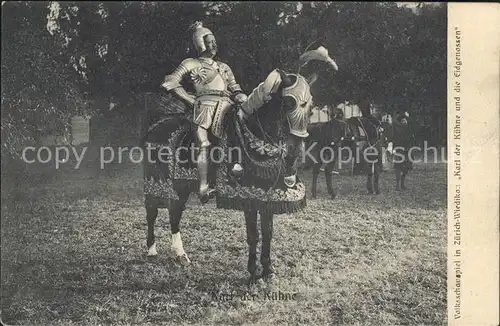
(74, 252)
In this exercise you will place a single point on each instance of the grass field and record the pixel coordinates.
(74, 252)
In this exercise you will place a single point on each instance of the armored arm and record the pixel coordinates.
(172, 82)
(232, 85)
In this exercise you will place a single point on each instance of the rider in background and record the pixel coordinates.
(339, 114)
(402, 141)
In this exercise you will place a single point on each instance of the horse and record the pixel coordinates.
(369, 139)
(326, 144)
(258, 182)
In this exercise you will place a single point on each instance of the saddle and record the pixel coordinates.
(366, 129)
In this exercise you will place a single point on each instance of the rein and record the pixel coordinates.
(159, 122)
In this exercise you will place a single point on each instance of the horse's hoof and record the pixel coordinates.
(206, 196)
(377, 192)
(152, 250)
(252, 280)
(184, 260)
(270, 280)
(181, 258)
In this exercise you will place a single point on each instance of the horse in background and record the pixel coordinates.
(325, 145)
(369, 137)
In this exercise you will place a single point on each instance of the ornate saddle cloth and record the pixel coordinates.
(171, 139)
(262, 184)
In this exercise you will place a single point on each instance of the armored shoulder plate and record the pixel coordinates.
(223, 66)
(174, 79)
(190, 63)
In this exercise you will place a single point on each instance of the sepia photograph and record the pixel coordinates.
(227, 163)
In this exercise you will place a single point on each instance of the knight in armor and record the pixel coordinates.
(215, 91)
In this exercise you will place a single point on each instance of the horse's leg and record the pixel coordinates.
(252, 240)
(369, 177)
(266, 225)
(151, 214)
(404, 172)
(403, 176)
(405, 168)
(316, 168)
(175, 215)
(376, 176)
(329, 180)
(397, 170)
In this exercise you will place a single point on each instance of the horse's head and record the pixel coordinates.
(288, 101)
(344, 135)
(297, 102)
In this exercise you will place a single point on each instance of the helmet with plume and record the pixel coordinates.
(198, 36)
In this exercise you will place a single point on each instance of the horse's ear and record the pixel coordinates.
(286, 81)
(312, 78)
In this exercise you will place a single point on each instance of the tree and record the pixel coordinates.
(61, 56)
(39, 94)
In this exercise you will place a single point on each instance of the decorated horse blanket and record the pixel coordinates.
(257, 145)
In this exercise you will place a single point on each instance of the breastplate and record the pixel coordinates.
(206, 78)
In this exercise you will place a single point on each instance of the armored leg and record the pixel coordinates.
(205, 193)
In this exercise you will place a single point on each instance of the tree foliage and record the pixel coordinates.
(60, 57)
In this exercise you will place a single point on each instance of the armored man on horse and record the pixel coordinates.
(215, 89)
(268, 128)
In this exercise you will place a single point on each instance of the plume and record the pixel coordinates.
(320, 54)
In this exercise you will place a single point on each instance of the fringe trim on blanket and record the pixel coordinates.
(280, 207)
